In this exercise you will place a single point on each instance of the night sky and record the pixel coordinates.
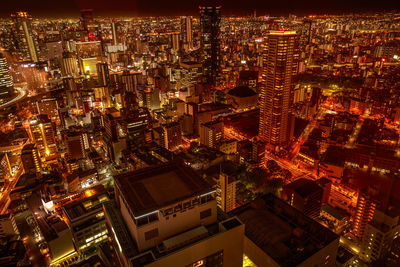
(63, 8)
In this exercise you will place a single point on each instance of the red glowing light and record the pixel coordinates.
(383, 59)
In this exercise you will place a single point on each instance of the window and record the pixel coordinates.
(205, 213)
(151, 234)
(215, 260)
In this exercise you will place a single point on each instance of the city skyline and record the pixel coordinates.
(67, 8)
(199, 138)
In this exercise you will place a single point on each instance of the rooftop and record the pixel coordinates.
(282, 232)
(155, 187)
(304, 187)
(242, 91)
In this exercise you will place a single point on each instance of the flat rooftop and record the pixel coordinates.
(156, 187)
(282, 232)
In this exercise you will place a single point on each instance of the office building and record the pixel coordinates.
(8, 227)
(379, 235)
(190, 73)
(211, 133)
(42, 133)
(280, 235)
(258, 152)
(49, 107)
(227, 182)
(364, 213)
(89, 54)
(77, 142)
(131, 81)
(6, 81)
(88, 23)
(5, 167)
(103, 75)
(172, 135)
(175, 42)
(86, 220)
(114, 33)
(110, 122)
(30, 159)
(69, 65)
(210, 18)
(279, 70)
(305, 195)
(26, 42)
(186, 31)
(169, 212)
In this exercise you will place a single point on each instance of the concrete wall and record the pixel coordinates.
(231, 242)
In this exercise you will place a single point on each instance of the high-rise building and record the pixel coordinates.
(258, 152)
(88, 23)
(8, 227)
(30, 159)
(130, 81)
(306, 32)
(89, 54)
(114, 33)
(186, 31)
(170, 209)
(110, 122)
(227, 183)
(69, 65)
(5, 167)
(6, 82)
(86, 220)
(77, 143)
(210, 17)
(103, 75)
(26, 42)
(42, 133)
(175, 42)
(379, 235)
(364, 213)
(211, 133)
(279, 70)
(172, 135)
(279, 235)
(305, 195)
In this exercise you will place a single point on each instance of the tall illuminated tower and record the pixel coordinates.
(280, 66)
(6, 82)
(25, 41)
(186, 31)
(210, 18)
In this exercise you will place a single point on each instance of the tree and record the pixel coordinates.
(274, 186)
(243, 194)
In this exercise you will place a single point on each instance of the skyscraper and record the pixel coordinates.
(30, 159)
(210, 17)
(175, 42)
(88, 23)
(26, 43)
(279, 70)
(186, 31)
(103, 75)
(69, 65)
(6, 82)
(114, 32)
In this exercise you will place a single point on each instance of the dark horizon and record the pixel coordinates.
(71, 8)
